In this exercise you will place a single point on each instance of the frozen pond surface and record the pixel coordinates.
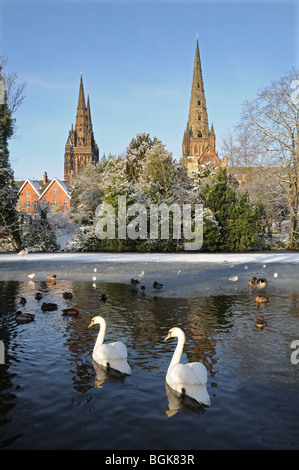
(52, 396)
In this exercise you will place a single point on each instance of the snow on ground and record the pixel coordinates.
(183, 274)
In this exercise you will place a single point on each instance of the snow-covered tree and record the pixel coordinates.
(8, 189)
(40, 233)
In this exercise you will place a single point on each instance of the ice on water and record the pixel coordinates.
(200, 273)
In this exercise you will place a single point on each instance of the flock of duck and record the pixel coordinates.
(185, 379)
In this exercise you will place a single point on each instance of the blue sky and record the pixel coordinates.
(137, 60)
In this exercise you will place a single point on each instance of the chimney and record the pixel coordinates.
(45, 178)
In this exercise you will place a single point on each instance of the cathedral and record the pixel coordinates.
(80, 148)
(199, 142)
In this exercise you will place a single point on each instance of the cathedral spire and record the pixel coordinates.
(81, 148)
(81, 118)
(198, 116)
(199, 142)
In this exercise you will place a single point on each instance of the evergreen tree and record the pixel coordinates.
(40, 234)
(240, 224)
(8, 189)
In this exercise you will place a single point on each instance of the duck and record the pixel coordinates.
(48, 307)
(102, 297)
(23, 252)
(157, 285)
(51, 276)
(72, 311)
(252, 281)
(67, 295)
(233, 278)
(22, 317)
(261, 283)
(38, 296)
(261, 299)
(134, 282)
(31, 276)
(22, 300)
(261, 323)
(112, 355)
(186, 379)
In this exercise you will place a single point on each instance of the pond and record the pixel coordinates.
(53, 396)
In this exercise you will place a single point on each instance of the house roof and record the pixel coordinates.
(35, 185)
(62, 184)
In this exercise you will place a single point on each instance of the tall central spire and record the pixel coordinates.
(199, 141)
(198, 116)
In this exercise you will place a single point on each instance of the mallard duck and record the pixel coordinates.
(157, 285)
(112, 355)
(67, 295)
(48, 307)
(261, 283)
(253, 281)
(22, 317)
(22, 300)
(38, 296)
(72, 311)
(261, 323)
(134, 282)
(102, 297)
(186, 379)
(51, 276)
(261, 299)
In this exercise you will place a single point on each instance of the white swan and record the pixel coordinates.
(186, 379)
(112, 355)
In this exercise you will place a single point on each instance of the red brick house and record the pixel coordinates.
(55, 194)
(29, 196)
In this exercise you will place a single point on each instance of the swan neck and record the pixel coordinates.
(178, 350)
(101, 334)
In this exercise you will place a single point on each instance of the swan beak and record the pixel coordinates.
(167, 337)
(91, 324)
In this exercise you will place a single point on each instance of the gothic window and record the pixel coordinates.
(199, 117)
(198, 85)
(198, 102)
(199, 134)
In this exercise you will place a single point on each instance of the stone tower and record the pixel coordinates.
(199, 141)
(80, 148)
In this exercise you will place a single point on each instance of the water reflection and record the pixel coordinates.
(103, 375)
(181, 403)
